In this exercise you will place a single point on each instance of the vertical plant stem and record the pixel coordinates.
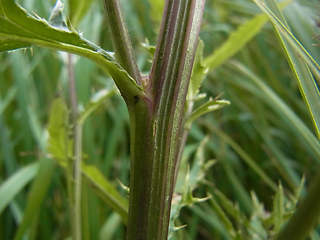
(156, 122)
(156, 114)
(120, 38)
(76, 160)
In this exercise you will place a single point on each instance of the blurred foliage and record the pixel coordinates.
(261, 143)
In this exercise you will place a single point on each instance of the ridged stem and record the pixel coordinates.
(156, 121)
(76, 161)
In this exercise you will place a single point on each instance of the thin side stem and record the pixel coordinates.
(120, 38)
(77, 150)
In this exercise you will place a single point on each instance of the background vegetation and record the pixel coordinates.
(253, 157)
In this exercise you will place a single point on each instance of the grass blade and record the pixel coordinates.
(236, 41)
(106, 191)
(297, 56)
(37, 195)
(272, 99)
(12, 186)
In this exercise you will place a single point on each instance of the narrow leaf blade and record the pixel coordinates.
(12, 186)
(37, 195)
(294, 51)
(210, 106)
(237, 40)
(106, 191)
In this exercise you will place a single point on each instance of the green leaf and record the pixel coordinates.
(223, 218)
(110, 227)
(296, 45)
(297, 57)
(12, 186)
(237, 40)
(229, 207)
(198, 73)
(106, 191)
(200, 166)
(57, 146)
(278, 209)
(37, 195)
(191, 179)
(257, 225)
(17, 26)
(210, 106)
(57, 143)
(11, 45)
(148, 47)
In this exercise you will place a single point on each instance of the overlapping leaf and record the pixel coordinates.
(187, 183)
(16, 24)
(19, 29)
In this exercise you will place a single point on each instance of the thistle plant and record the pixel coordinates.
(162, 105)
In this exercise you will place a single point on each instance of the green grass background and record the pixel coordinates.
(253, 128)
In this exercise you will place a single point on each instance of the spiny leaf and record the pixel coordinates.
(22, 30)
(278, 208)
(16, 24)
(257, 225)
(191, 180)
(198, 73)
(228, 206)
(210, 106)
(200, 166)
